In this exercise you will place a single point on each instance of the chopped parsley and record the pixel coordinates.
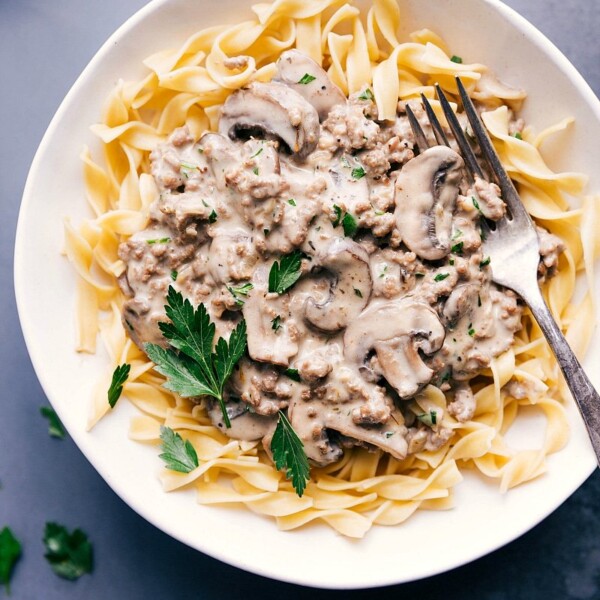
(289, 454)
(471, 331)
(441, 276)
(257, 152)
(174, 275)
(178, 454)
(457, 248)
(429, 419)
(191, 367)
(338, 215)
(240, 290)
(10, 552)
(292, 202)
(256, 171)
(306, 78)
(358, 173)
(55, 427)
(358, 292)
(350, 225)
(70, 554)
(383, 271)
(284, 274)
(517, 135)
(475, 203)
(276, 323)
(119, 377)
(456, 59)
(485, 262)
(164, 240)
(367, 95)
(292, 374)
(213, 216)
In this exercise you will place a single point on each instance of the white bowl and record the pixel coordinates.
(430, 542)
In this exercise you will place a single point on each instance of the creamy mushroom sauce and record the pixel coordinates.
(380, 312)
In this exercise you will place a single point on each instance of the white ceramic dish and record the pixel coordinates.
(483, 520)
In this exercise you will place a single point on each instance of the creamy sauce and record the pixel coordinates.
(395, 291)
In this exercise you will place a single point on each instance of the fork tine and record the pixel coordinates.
(463, 144)
(509, 193)
(420, 137)
(438, 130)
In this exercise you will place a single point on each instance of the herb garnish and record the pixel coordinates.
(485, 262)
(517, 135)
(240, 290)
(358, 173)
(10, 552)
(475, 203)
(276, 323)
(178, 454)
(164, 240)
(358, 292)
(256, 171)
(441, 276)
(292, 374)
(292, 202)
(69, 554)
(55, 427)
(213, 216)
(457, 248)
(456, 59)
(338, 215)
(119, 377)
(284, 274)
(306, 78)
(257, 152)
(190, 365)
(367, 95)
(429, 418)
(350, 225)
(288, 453)
(471, 331)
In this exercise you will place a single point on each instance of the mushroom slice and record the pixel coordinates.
(272, 334)
(396, 331)
(350, 288)
(302, 74)
(271, 110)
(426, 192)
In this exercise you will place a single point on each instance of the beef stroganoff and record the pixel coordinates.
(282, 145)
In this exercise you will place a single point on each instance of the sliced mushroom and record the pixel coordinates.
(348, 264)
(297, 71)
(245, 425)
(272, 110)
(396, 331)
(426, 192)
(272, 335)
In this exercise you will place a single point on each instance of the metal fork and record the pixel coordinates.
(513, 246)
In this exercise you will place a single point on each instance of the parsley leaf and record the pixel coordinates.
(485, 262)
(55, 428)
(284, 274)
(306, 78)
(174, 274)
(276, 323)
(292, 202)
(457, 248)
(429, 418)
(350, 225)
(10, 552)
(212, 218)
(257, 152)
(164, 240)
(358, 173)
(288, 452)
(292, 374)
(456, 59)
(69, 554)
(358, 292)
(240, 290)
(179, 455)
(517, 135)
(367, 95)
(338, 215)
(441, 276)
(190, 365)
(119, 377)
(475, 203)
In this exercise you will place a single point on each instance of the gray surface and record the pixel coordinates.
(44, 45)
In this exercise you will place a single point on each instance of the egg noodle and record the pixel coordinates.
(187, 86)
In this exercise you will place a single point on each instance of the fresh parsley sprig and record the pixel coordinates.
(119, 377)
(69, 554)
(284, 274)
(10, 552)
(178, 454)
(190, 365)
(288, 453)
(55, 427)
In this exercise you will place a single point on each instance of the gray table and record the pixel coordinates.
(44, 46)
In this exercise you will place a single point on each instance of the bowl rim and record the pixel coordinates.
(520, 23)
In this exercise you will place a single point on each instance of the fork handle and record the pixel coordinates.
(581, 387)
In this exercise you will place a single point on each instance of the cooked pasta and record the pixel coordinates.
(187, 87)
